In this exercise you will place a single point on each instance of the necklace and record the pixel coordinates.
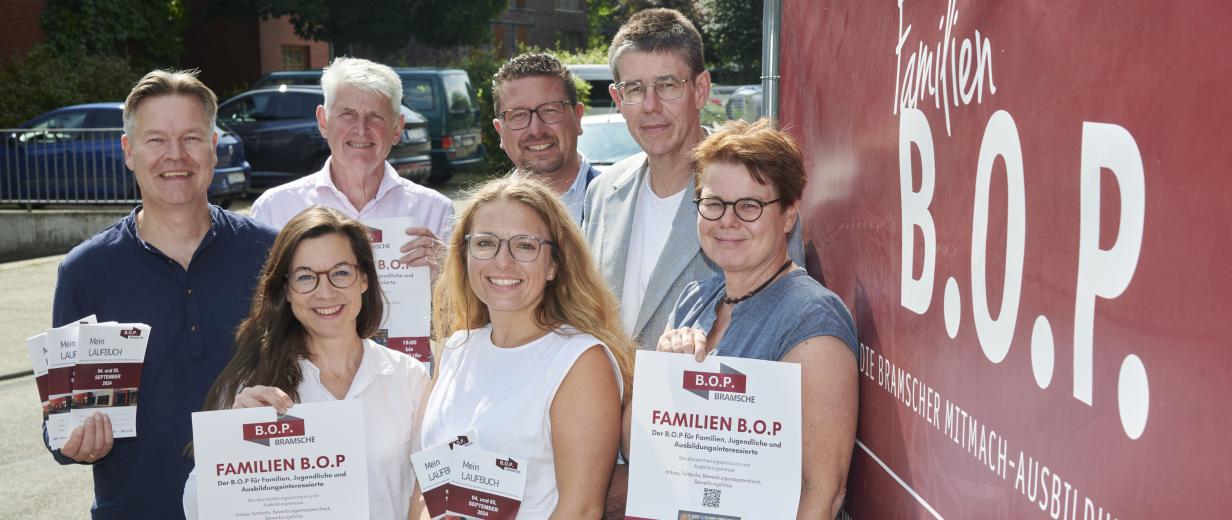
(733, 301)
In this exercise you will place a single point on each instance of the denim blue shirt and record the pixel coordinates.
(768, 325)
(193, 314)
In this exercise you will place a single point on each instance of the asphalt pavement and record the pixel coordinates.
(32, 485)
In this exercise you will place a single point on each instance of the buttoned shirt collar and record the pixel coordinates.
(325, 181)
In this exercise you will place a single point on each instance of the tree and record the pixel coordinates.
(603, 19)
(732, 29)
(384, 26)
(149, 33)
(44, 80)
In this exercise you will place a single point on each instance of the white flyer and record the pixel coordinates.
(37, 348)
(718, 439)
(406, 325)
(108, 374)
(61, 352)
(308, 464)
(433, 468)
(484, 485)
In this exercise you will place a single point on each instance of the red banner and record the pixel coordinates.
(1026, 207)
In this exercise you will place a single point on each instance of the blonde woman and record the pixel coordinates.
(535, 363)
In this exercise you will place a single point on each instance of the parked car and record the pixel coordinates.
(745, 103)
(599, 77)
(284, 142)
(73, 154)
(444, 96)
(605, 140)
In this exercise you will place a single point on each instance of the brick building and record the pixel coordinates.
(234, 53)
(19, 27)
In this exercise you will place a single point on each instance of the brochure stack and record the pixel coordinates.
(87, 367)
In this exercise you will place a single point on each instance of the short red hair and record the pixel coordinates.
(771, 156)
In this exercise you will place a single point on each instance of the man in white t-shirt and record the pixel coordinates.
(641, 223)
(361, 121)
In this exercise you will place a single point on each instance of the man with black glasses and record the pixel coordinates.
(539, 117)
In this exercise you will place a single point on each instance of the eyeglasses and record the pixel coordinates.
(550, 113)
(305, 280)
(524, 248)
(748, 210)
(668, 88)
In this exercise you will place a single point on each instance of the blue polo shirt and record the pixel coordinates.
(193, 315)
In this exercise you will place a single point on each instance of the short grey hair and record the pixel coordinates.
(160, 82)
(655, 31)
(364, 75)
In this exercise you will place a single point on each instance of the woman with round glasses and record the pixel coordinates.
(750, 180)
(535, 364)
(306, 340)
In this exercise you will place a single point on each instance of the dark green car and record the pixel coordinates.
(444, 96)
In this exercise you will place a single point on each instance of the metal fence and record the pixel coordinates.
(64, 166)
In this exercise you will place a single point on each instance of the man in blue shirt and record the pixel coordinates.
(182, 266)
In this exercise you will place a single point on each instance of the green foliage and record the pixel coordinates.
(603, 19)
(481, 65)
(580, 57)
(384, 26)
(44, 80)
(445, 23)
(732, 29)
(149, 32)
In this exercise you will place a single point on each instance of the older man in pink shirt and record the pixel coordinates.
(361, 121)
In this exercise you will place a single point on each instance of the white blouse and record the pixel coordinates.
(392, 385)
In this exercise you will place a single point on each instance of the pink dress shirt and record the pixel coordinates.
(396, 197)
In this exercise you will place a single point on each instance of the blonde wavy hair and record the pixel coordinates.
(578, 297)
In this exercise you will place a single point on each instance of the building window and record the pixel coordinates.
(568, 5)
(294, 57)
(569, 40)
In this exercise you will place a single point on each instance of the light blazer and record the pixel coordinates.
(611, 201)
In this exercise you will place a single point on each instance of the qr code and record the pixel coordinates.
(710, 497)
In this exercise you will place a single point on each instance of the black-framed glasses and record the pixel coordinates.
(524, 248)
(550, 113)
(305, 280)
(748, 210)
(668, 88)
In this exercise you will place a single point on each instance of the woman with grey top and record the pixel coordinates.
(762, 305)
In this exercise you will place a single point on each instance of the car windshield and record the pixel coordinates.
(606, 141)
(417, 94)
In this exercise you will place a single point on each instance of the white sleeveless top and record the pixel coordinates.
(505, 395)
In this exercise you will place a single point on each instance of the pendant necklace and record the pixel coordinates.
(733, 301)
